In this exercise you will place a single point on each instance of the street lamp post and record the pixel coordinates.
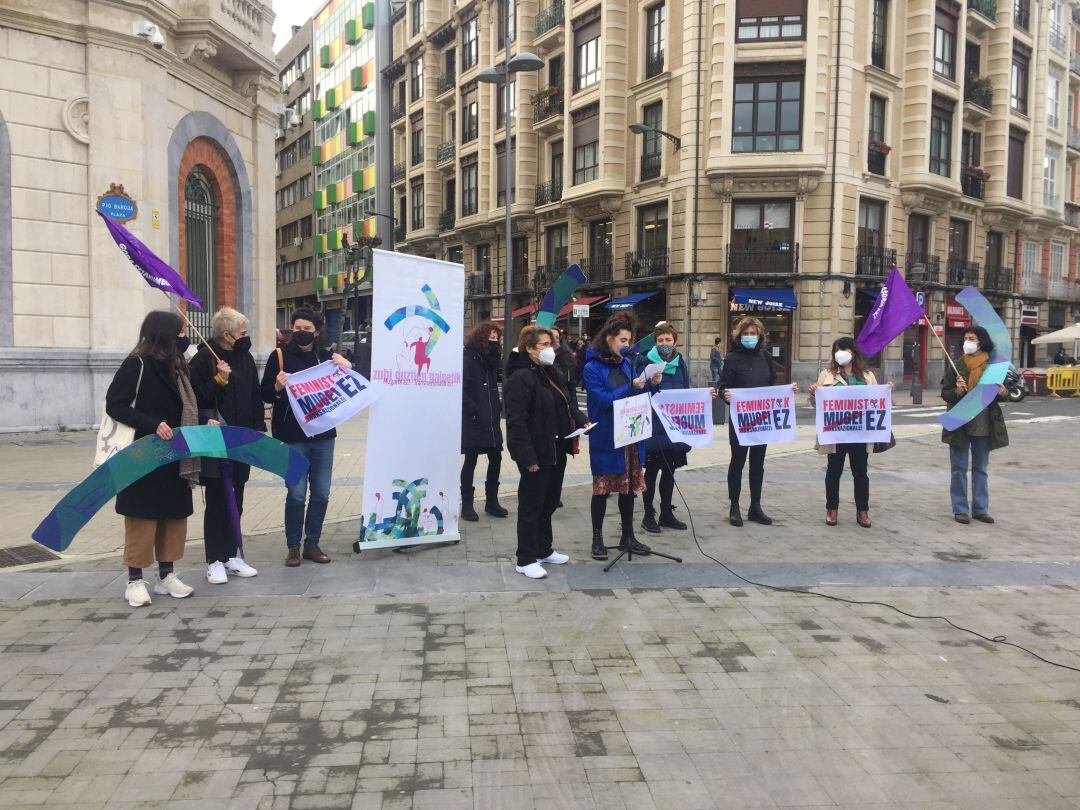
(522, 63)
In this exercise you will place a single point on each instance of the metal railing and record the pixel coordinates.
(650, 166)
(1022, 14)
(998, 279)
(874, 262)
(1061, 288)
(548, 107)
(397, 111)
(546, 274)
(922, 268)
(519, 280)
(399, 233)
(875, 162)
(1072, 216)
(979, 93)
(654, 64)
(960, 272)
(1058, 40)
(763, 262)
(1074, 137)
(988, 8)
(480, 284)
(548, 192)
(973, 187)
(1033, 285)
(646, 263)
(399, 172)
(446, 82)
(597, 269)
(548, 18)
(446, 220)
(445, 152)
(1074, 63)
(877, 55)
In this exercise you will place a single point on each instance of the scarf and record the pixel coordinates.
(189, 416)
(609, 359)
(672, 364)
(976, 364)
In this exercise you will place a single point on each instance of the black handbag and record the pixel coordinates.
(881, 447)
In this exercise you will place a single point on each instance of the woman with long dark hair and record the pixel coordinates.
(847, 366)
(151, 392)
(609, 377)
(481, 430)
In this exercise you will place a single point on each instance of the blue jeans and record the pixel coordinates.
(979, 450)
(320, 456)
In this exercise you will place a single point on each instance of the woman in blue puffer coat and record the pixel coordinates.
(609, 376)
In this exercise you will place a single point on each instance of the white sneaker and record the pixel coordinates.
(136, 593)
(555, 558)
(237, 565)
(532, 570)
(172, 586)
(215, 573)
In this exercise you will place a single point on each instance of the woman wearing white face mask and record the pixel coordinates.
(847, 367)
(540, 413)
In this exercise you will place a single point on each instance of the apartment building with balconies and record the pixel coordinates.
(295, 217)
(787, 161)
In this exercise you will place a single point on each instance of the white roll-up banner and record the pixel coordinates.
(414, 428)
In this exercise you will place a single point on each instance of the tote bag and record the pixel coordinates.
(114, 436)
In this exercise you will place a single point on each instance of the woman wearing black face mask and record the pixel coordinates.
(228, 389)
(481, 430)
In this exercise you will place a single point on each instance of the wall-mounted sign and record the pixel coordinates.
(117, 204)
(155, 220)
(1029, 316)
(956, 317)
(920, 299)
(939, 330)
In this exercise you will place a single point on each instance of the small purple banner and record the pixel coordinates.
(896, 309)
(156, 272)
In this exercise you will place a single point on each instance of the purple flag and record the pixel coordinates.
(150, 267)
(896, 309)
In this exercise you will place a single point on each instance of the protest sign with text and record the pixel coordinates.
(853, 414)
(763, 415)
(324, 396)
(633, 420)
(686, 415)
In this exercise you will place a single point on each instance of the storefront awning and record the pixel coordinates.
(782, 298)
(628, 301)
(590, 300)
(522, 311)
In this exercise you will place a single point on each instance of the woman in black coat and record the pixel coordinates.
(151, 393)
(227, 388)
(481, 431)
(540, 414)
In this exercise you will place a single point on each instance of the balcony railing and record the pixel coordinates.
(1033, 285)
(874, 262)
(988, 8)
(998, 279)
(548, 192)
(548, 18)
(763, 262)
(446, 82)
(1058, 41)
(980, 93)
(480, 284)
(1074, 138)
(1051, 202)
(399, 233)
(1072, 215)
(399, 172)
(548, 107)
(546, 274)
(877, 54)
(397, 111)
(654, 64)
(445, 152)
(519, 280)
(961, 272)
(1074, 63)
(1062, 289)
(650, 166)
(597, 269)
(646, 263)
(875, 162)
(1022, 14)
(973, 187)
(922, 268)
(446, 220)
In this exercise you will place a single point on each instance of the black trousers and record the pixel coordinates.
(494, 457)
(858, 456)
(538, 497)
(738, 461)
(220, 539)
(655, 467)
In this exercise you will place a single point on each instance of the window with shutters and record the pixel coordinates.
(1014, 183)
(941, 124)
(586, 144)
(770, 20)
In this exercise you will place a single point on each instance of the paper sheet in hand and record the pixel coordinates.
(653, 369)
(581, 431)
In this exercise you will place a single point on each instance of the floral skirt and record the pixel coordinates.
(633, 480)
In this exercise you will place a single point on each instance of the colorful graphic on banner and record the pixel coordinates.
(994, 374)
(686, 415)
(414, 427)
(853, 414)
(633, 420)
(763, 415)
(324, 396)
(559, 295)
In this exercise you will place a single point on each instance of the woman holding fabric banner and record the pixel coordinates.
(608, 377)
(300, 353)
(662, 456)
(227, 386)
(747, 365)
(977, 437)
(540, 414)
(151, 392)
(481, 428)
(847, 366)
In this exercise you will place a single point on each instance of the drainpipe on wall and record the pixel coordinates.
(384, 138)
(832, 192)
(697, 186)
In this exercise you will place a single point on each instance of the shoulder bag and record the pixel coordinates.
(114, 436)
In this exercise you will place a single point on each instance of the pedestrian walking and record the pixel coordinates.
(300, 353)
(565, 360)
(716, 360)
(748, 365)
(847, 366)
(663, 456)
(481, 412)
(227, 388)
(609, 377)
(151, 393)
(540, 414)
(974, 441)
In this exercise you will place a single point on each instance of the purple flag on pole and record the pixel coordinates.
(150, 267)
(896, 309)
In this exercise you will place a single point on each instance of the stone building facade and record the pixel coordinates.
(87, 105)
(788, 158)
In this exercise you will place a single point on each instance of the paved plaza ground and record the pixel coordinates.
(440, 678)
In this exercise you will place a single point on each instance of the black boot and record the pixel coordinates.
(599, 550)
(755, 514)
(491, 504)
(648, 523)
(735, 516)
(629, 541)
(668, 519)
(467, 510)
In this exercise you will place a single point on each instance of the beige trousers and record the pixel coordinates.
(146, 540)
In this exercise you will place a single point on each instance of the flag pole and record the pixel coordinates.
(942, 344)
(193, 328)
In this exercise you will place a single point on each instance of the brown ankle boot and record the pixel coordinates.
(863, 519)
(830, 517)
(293, 560)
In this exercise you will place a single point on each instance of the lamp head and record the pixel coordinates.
(640, 129)
(525, 63)
(491, 75)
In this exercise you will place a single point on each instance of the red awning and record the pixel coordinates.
(521, 311)
(588, 300)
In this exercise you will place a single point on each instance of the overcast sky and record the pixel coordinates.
(290, 13)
